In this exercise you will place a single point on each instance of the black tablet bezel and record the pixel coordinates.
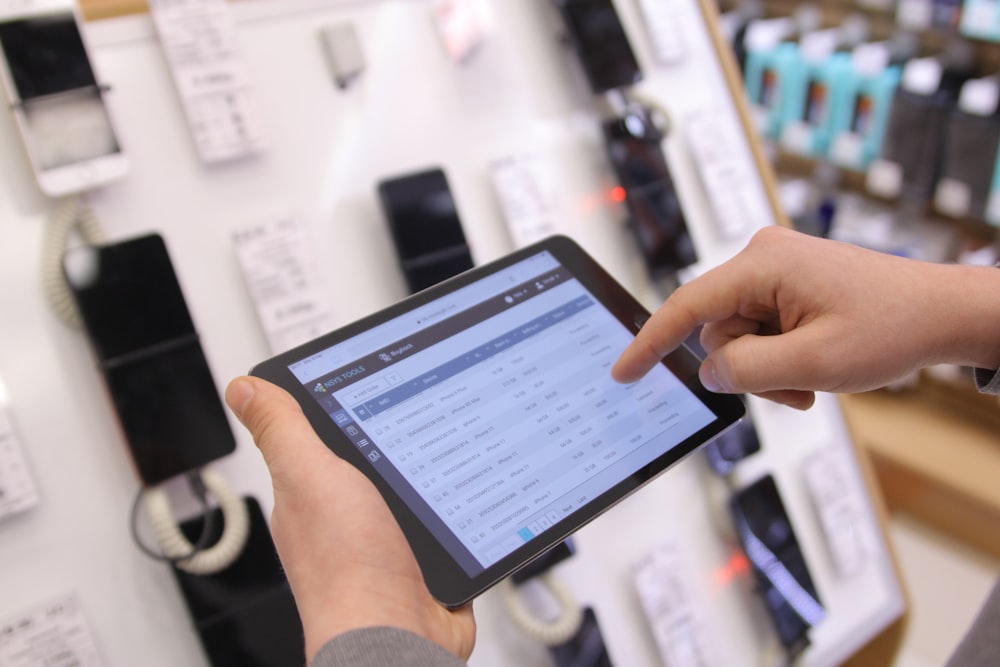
(445, 578)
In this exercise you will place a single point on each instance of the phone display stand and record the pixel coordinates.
(326, 150)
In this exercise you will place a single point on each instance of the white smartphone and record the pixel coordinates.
(57, 101)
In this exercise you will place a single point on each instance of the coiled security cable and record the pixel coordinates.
(553, 633)
(198, 558)
(72, 215)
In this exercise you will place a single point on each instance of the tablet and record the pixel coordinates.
(484, 411)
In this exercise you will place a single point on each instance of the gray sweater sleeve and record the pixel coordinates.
(981, 645)
(383, 647)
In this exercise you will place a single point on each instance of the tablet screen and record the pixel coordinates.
(490, 410)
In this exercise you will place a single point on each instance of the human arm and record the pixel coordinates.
(792, 314)
(347, 561)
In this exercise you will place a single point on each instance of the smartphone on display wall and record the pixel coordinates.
(245, 615)
(425, 227)
(149, 353)
(601, 43)
(55, 97)
(778, 564)
(634, 147)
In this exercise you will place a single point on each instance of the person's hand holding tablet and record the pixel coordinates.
(484, 411)
(347, 562)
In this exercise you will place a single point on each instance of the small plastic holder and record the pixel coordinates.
(200, 42)
(344, 55)
(50, 635)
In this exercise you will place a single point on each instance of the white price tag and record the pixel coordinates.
(833, 486)
(527, 197)
(52, 635)
(727, 181)
(17, 487)
(283, 280)
(200, 43)
(663, 22)
(661, 581)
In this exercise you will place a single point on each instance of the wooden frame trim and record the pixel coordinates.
(883, 649)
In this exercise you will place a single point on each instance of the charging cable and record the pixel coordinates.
(72, 215)
(550, 633)
(198, 559)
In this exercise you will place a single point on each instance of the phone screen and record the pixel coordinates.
(425, 227)
(148, 350)
(56, 88)
(46, 55)
(779, 565)
(652, 200)
(601, 43)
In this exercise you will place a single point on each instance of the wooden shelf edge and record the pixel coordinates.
(932, 461)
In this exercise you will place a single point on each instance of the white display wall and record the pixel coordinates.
(412, 108)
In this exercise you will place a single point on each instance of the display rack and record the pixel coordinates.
(927, 468)
(411, 108)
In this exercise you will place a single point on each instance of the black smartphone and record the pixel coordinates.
(245, 615)
(425, 227)
(778, 564)
(586, 648)
(634, 147)
(148, 351)
(601, 43)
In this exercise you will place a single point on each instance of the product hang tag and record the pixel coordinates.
(922, 76)
(916, 15)
(980, 97)
(869, 60)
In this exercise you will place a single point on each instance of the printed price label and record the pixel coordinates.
(283, 282)
(199, 40)
(835, 492)
(526, 195)
(661, 581)
(51, 635)
(17, 487)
